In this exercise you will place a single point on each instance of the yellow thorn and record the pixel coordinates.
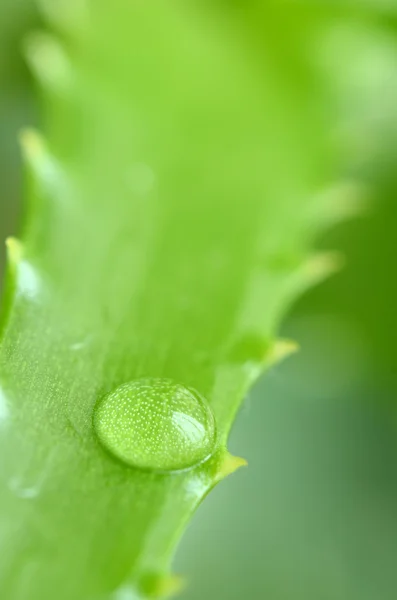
(32, 144)
(319, 266)
(168, 585)
(46, 170)
(282, 348)
(229, 465)
(14, 250)
(49, 61)
(351, 199)
(342, 200)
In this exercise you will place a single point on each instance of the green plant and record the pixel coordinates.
(172, 212)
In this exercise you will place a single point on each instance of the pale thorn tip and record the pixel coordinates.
(49, 61)
(281, 349)
(14, 250)
(48, 173)
(322, 264)
(32, 143)
(342, 200)
(230, 464)
(354, 200)
(168, 585)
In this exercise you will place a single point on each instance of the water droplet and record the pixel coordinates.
(156, 424)
(27, 493)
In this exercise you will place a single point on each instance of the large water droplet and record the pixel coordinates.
(156, 424)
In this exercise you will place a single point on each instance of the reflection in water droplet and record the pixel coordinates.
(156, 424)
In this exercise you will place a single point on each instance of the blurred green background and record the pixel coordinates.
(314, 517)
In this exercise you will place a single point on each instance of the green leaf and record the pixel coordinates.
(169, 228)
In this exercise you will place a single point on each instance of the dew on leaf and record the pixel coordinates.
(156, 424)
(27, 493)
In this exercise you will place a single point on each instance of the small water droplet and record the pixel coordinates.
(27, 493)
(156, 424)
